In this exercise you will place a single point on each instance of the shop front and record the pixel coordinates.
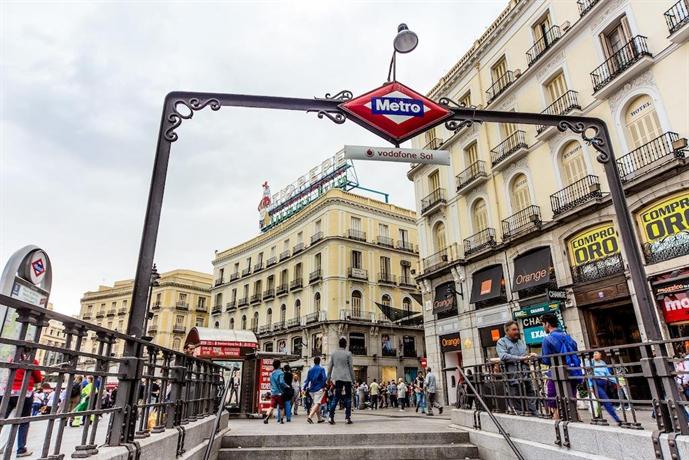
(529, 319)
(451, 349)
(671, 291)
(664, 227)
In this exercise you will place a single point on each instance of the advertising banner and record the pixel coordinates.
(445, 299)
(593, 244)
(664, 218)
(263, 384)
(530, 318)
(400, 155)
(450, 342)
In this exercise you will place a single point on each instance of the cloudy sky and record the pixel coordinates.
(81, 87)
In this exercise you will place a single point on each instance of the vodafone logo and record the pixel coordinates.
(369, 153)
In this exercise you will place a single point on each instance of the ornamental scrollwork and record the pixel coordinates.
(175, 118)
(457, 124)
(594, 139)
(344, 95)
(335, 117)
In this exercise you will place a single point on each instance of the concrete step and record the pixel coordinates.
(353, 452)
(344, 439)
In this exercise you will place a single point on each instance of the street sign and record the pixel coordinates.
(396, 112)
(427, 156)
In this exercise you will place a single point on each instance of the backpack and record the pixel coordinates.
(567, 345)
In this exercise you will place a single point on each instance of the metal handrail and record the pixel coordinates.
(216, 423)
(493, 418)
(647, 154)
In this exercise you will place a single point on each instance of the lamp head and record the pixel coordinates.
(406, 40)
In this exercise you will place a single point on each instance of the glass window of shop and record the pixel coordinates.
(489, 338)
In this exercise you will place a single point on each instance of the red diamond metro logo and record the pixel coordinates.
(395, 112)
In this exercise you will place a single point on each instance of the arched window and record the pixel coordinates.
(479, 215)
(439, 239)
(217, 324)
(177, 344)
(385, 300)
(283, 313)
(356, 303)
(243, 321)
(269, 316)
(297, 308)
(519, 193)
(317, 302)
(406, 304)
(218, 299)
(231, 323)
(572, 163)
(254, 321)
(641, 121)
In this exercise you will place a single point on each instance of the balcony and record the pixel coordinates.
(579, 193)
(405, 246)
(357, 350)
(433, 144)
(258, 267)
(357, 314)
(647, 158)
(435, 261)
(122, 311)
(271, 261)
(264, 329)
(471, 177)
(386, 241)
(563, 105)
(296, 284)
(254, 327)
(202, 308)
(246, 271)
(234, 276)
(156, 306)
(599, 269)
(357, 273)
(632, 59)
(281, 289)
(356, 235)
(277, 325)
(433, 201)
(409, 354)
(668, 248)
(269, 294)
(152, 329)
(217, 309)
(311, 318)
(677, 17)
(543, 45)
(231, 305)
(177, 329)
(512, 148)
(218, 282)
(524, 221)
(407, 281)
(181, 306)
(100, 314)
(387, 278)
(500, 85)
(316, 237)
(585, 6)
(112, 312)
(243, 302)
(298, 248)
(87, 316)
(255, 298)
(293, 322)
(485, 239)
(389, 353)
(284, 255)
(315, 276)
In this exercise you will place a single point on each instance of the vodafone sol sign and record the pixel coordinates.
(428, 156)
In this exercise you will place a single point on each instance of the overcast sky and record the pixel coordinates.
(82, 85)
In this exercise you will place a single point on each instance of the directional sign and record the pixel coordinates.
(395, 112)
(427, 156)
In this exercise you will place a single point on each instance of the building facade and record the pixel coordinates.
(522, 223)
(179, 301)
(342, 266)
(52, 335)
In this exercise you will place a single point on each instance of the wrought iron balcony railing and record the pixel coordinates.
(389, 352)
(271, 261)
(543, 44)
(386, 241)
(500, 85)
(475, 171)
(356, 235)
(357, 273)
(112, 312)
(585, 6)
(277, 325)
(599, 269)
(293, 322)
(521, 222)
(177, 329)
(122, 311)
(242, 302)
(405, 246)
(386, 278)
(407, 280)
(246, 271)
(298, 248)
(258, 267)
(575, 195)
(677, 16)
(315, 275)
(512, 144)
(433, 144)
(311, 318)
(100, 314)
(234, 276)
(667, 248)
(218, 282)
(620, 61)
(87, 316)
(437, 260)
(281, 289)
(479, 241)
(357, 314)
(561, 106)
(156, 306)
(358, 350)
(231, 305)
(316, 237)
(182, 306)
(296, 284)
(217, 309)
(284, 255)
(434, 198)
(256, 298)
(643, 160)
(268, 294)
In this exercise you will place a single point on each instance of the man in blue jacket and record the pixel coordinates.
(314, 384)
(558, 342)
(277, 383)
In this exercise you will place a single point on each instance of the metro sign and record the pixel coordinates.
(395, 112)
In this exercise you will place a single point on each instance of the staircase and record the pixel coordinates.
(348, 446)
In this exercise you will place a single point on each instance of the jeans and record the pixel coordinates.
(23, 430)
(420, 403)
(433, 403)
(339, 385)
(517, 391)
(393, 400)
(288, 410)
(600, 390)
(374, 401)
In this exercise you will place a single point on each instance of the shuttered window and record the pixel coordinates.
(480, 216)
(521, 198)
(642, 121)
(572, 163)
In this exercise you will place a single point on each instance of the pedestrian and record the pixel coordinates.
(374, 390)
(277, 383)
(296, 387)
(84, 397)
(392, 390)
(602, 383)
(515, 357)
(314, 385)
(364, 395)
(383, 395)
(21, 404)
(38, 401)
(341, 371)
(431, 386)
(287, 392)
(402, 394)
(419, 394)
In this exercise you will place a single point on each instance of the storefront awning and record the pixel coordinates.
(532, 269)
(220, 343)
(445, 299)
(487, 284)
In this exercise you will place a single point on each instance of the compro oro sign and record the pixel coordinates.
(665, 219)
(593, 244)
(426, 156)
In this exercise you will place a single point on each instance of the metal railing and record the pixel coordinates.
(315, 275)
(500, 85)
(231, 305)
(543, 44)
(523, 221)
(242, 302)
(407, 280)
(281, 289)
(668, 248)
(358, 350)
(357, 314)
(386, 278)
(293, 322)
(561, 106)
(620, 61)
(218, 282)
(296, 284)
(298, 248)
(435, 261)
(268, 294)
(316, 237)
(201, 308)
(357, 273)
(174, 388)
(356, 235)
(179, 329)
(389, 352)
(217, 309)
(277, 325)
(284, 255)
(405, 246)
(258, 267)
(677, 16)
(246, 271)
(479, 241)
(643, 159)
(599, 269)
(311, 318)
(271, 261)
(575, 195)
(386, 241)
(512, 144)
(256, 298)
(585, 6)
(437, 196)
(234, 276)
(112, 312)
(182, 306)
(433, 144)
(475, 171)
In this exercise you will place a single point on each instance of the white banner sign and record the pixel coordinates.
(360, 152)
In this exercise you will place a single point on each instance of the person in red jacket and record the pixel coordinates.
(35, 378)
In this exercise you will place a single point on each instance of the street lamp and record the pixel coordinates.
(155, 276)
(405, 42)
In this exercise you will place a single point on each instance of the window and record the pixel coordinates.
(109, 324)
(243, 321)
(246, 291)
(429, 135)
(356, 259)
(572, 163)
(283, 313)
(248, 263)
(269, 316)
(284, 277)
(259, 260)
(179, 320)
(317, 302)
(499, 69)
(218, 299)
(300, 237)
(406, 304)
(221, 274)
(383, 230)
(507, 129)
(298, 271)
(641, 122)
(385, 300)
(434, 181)
(234, 294)
(268, 346)
(466, 99)
(114, 305)
(385, 265)
(217, 324)
(120, 326)
(317, 261)
(404, 268)
(356, 303)
(479, 215)
(285, 245)
(124, 304)
(202, 302)
(317, 226)
(89, 309)
(271, 282)
(404, 235)
(556, 87)
(272, 252)
(471, 154)
(439, 237)
(541, 28)
(182, 297)
(356, 223)
(615, 36)
(177, 344)
(158, 298)
(357, 343)
(231, 323)
(236, 267)
(199, 321)
(297, 346)
(257, 287)
(254, 322)
(519, 193)
(297, 309)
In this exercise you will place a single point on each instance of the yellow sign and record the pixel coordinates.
(593, 244)
(666, 217)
